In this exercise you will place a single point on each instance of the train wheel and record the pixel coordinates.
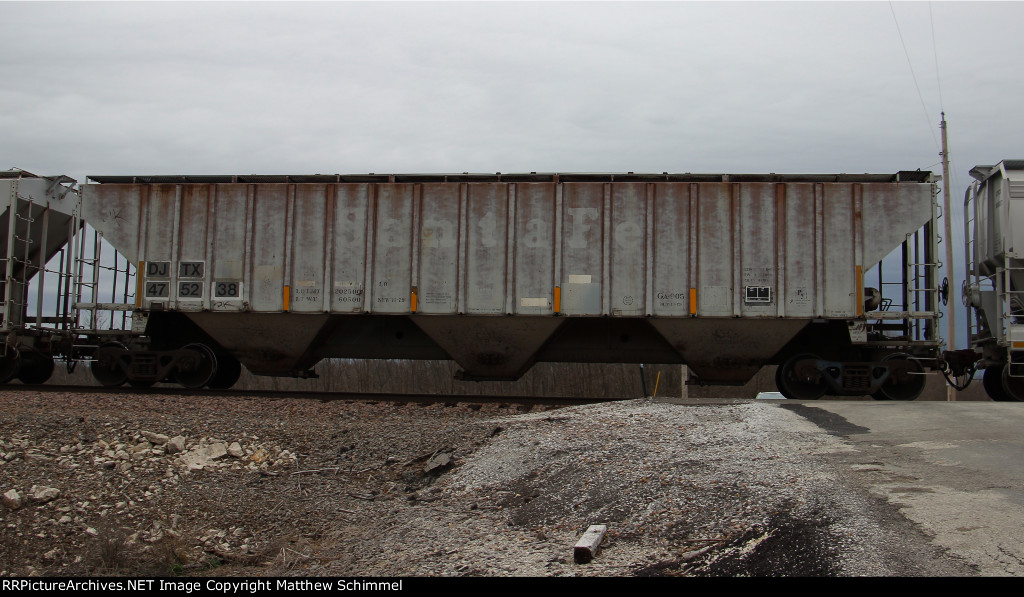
(910, 388)
(993, 382)
(794, 387)
(9, 364)
(197, 369)
(106, 367)
(228, 372)
(1013, 387)
(35, 367)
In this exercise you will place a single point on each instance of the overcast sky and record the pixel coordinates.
(298, 88)
(243, 87)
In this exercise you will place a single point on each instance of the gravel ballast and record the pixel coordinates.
(127, 484)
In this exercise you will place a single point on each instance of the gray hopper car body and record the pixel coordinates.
(994, 288)
(39, 216)
(724, 273)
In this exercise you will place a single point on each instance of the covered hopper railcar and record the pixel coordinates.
(39, 216)
(994, 288)
(723, 273)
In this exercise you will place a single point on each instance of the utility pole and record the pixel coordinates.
(947, 214)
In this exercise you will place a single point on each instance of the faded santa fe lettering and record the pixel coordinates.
(579, 218)
(536, 234)
(439, 234)
(488, 230)
(628, 234)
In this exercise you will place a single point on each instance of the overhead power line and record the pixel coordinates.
(920, 96)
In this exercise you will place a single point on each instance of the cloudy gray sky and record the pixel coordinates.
(324, 87)
(348, 87)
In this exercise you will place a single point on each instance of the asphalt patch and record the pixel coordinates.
(785, 546)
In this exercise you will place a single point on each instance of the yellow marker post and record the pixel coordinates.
(287, 296)
(860, 291)
(558, 299)
(139, 284)
(693, 301)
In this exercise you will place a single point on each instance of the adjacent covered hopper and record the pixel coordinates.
(994, 289)
(39, 216)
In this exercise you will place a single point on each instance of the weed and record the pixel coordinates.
(112, 550)
(170, 555)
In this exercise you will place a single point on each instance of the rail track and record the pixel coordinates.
(322, 396)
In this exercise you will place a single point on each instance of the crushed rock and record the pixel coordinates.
(253, 487)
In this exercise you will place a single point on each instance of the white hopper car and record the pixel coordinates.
(723, 273)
